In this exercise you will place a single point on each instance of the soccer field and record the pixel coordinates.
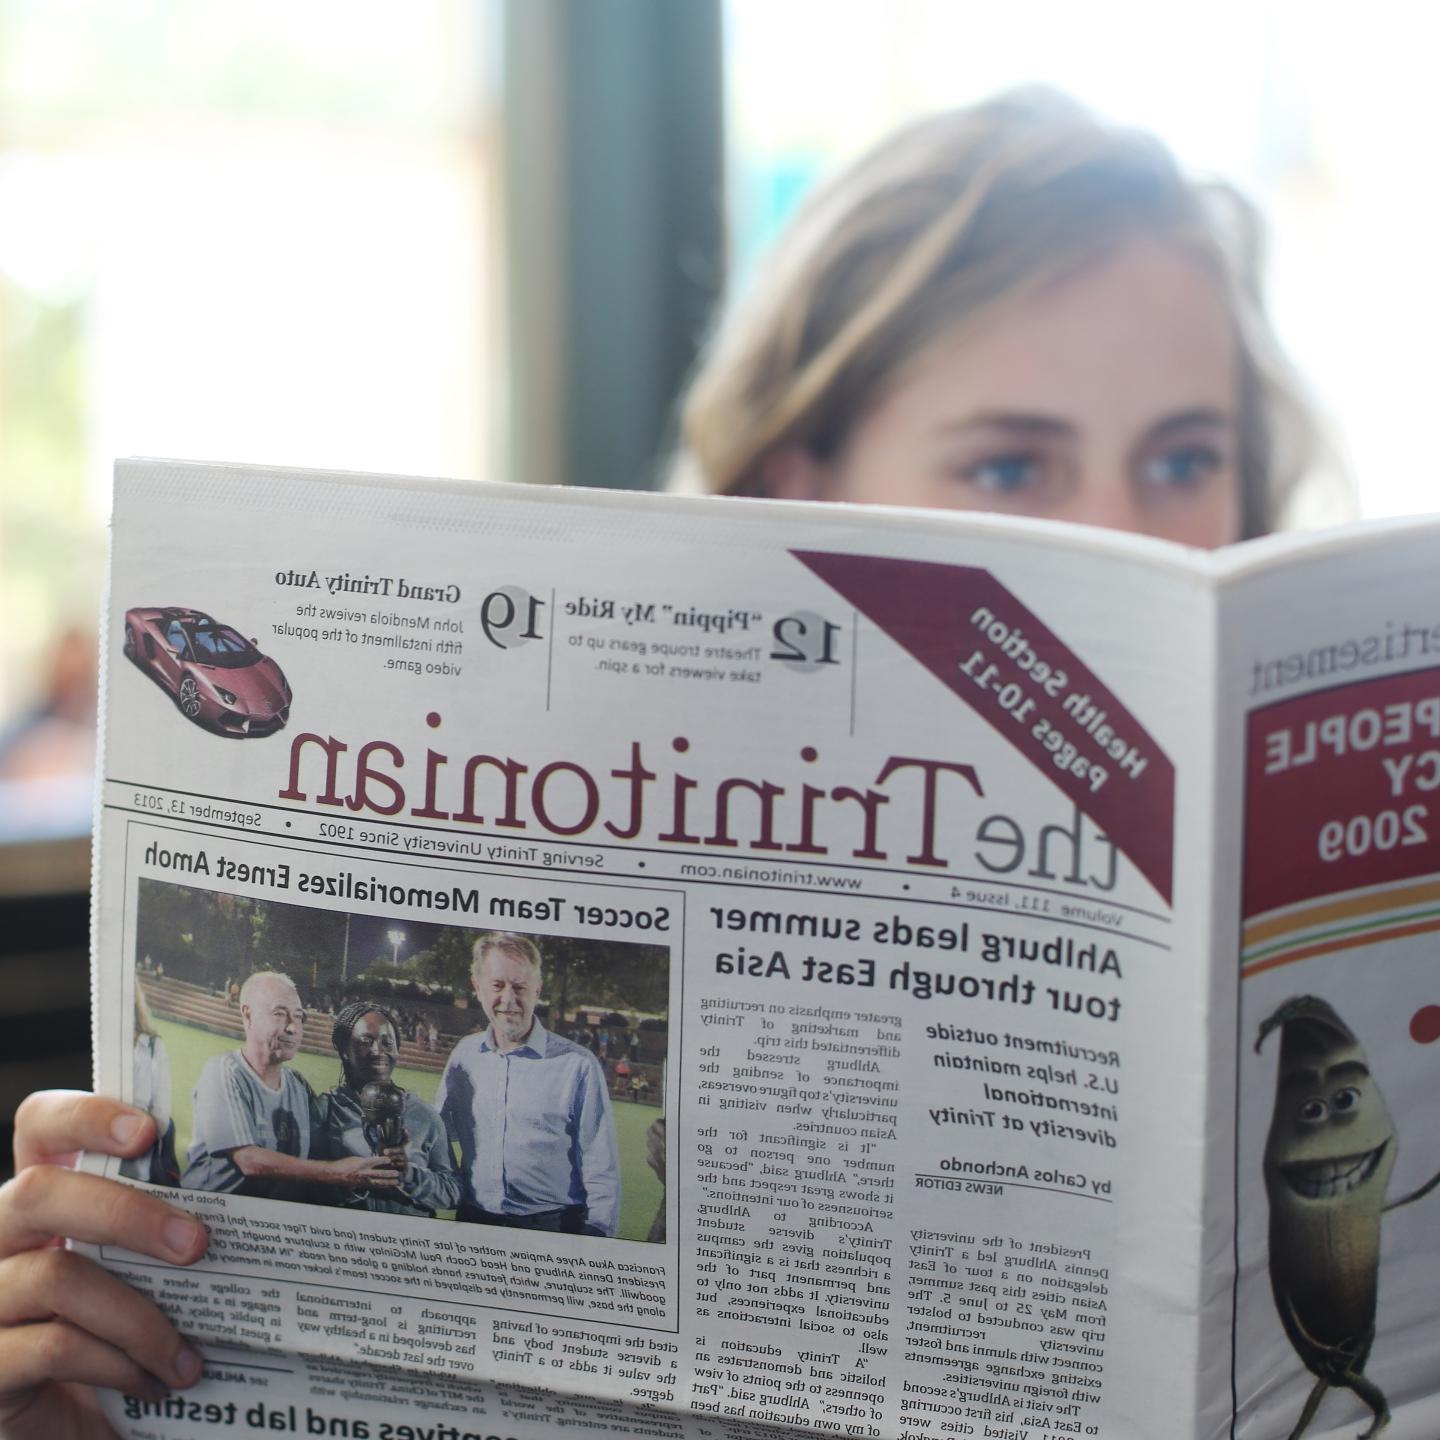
(189, 1049)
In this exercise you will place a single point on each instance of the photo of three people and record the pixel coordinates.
(513, 1124)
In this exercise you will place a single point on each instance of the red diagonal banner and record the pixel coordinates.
(979, 641)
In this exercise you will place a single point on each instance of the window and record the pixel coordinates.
(261, 232)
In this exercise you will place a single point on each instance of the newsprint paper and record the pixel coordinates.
(636, 966)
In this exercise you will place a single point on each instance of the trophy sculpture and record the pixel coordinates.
(383, 1106)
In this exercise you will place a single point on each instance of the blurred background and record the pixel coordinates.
(483, 239)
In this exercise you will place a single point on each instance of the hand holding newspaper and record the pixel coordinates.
(658, 967)
(64, 1320)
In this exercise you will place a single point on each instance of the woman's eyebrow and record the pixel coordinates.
(1200, 418)
(1015, 422)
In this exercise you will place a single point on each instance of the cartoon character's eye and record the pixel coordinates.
(1312, 1112)
(1345, 1099)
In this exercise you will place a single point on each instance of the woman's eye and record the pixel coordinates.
(1184, 467)
(1003, 474)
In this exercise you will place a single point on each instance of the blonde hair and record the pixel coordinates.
(518, 947)
(144, 1021)
(942, 225)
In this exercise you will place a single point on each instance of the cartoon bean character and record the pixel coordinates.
(1328, 1159)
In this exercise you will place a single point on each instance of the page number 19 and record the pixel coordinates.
(510, 617)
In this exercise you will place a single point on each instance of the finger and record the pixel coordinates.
(58, 1351)
(46, 1286)
(45, 1202)
(52, 1125)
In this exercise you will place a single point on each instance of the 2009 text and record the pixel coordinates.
(1359, 835)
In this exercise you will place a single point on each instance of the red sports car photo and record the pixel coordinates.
(216, 676)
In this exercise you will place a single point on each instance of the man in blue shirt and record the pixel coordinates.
(529, 1110)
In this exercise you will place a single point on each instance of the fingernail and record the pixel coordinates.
(187, 1365)
(125, 1129)
(181, 1234)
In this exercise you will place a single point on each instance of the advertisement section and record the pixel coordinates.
(1338, 1151)
(760, 987)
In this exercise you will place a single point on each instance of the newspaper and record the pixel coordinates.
(635, 965)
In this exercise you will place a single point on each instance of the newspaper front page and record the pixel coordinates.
(644, 966)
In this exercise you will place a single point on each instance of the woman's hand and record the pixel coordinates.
(398, 1155)
(65, 1324)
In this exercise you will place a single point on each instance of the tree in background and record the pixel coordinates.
(447, 961)
(634, 978)
(197, 935)
(305, 944)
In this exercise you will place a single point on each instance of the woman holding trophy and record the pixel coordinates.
(368, 1114)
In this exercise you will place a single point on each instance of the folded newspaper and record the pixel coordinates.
(644, 966)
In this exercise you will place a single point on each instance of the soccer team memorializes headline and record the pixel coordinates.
(736, 961)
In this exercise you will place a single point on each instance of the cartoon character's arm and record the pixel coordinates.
(1419, 1194)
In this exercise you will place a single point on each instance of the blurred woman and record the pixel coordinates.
(1012, 307)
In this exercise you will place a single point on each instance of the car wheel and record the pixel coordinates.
(188, 698)
(129, 642)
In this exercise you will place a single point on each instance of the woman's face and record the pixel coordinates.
(1109, 399)
(371, 1051)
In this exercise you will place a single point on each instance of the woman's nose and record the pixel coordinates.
(1108, 501)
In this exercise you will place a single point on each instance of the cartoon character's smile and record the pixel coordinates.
(1330, 1179)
